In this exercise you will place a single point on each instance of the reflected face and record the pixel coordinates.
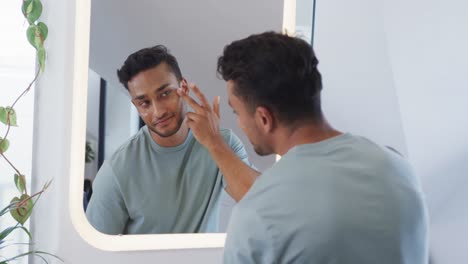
(154, 95)
(248, 122)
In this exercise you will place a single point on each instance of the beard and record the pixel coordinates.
(169, 133)
(262, 152)
(262, 149)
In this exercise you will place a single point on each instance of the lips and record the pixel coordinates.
(164, 121)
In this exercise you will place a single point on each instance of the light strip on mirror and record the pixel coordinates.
(289, 26)
(289, 17)
(78, 124)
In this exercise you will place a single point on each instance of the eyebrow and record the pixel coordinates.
(162, 87)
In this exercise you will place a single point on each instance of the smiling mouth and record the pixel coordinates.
(164, 121)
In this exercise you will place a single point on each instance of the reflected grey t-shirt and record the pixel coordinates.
(148, 189)
(344, 200)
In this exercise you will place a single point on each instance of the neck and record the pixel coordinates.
(287, 138)
(174, 140)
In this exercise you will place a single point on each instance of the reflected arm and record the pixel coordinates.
(106, 210)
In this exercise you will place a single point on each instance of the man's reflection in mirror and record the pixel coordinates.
(167, 178)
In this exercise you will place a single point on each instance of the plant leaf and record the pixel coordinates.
(3, 115)
(37, 38)
(35, 9)
(34, 253)
(23, 209)
(27, 7)
(20, 182)
(10, 229)
(14, 244)
(41, 56)
(31, 35)
(4, 144)
(7, 208)
(43, 29)
(6, 232)
(10, 111)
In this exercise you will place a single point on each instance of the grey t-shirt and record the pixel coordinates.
(343, 200)
(148, 189)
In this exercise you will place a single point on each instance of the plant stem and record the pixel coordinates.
(11, 164)
(17, 99)
(8, 121)
(34, 195)
(17, 171)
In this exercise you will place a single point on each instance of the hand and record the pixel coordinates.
(204, 122)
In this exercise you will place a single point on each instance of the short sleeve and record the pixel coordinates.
(248, 240)
(106, 210)
(236, 145)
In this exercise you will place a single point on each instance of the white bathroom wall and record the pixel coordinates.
(396, 72)
(358, 88)
(428, 43)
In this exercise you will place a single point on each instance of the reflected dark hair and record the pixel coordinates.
(275, 71)
(146, 59)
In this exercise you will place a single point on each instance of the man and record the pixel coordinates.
(163, 180)
(333, 197)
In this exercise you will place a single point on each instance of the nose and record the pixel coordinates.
(158, 110)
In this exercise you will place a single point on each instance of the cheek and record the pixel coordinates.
(239, 123)
(146, 116)
(176, 103)
(242, 123)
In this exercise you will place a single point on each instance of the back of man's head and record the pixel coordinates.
(275, 71)
(146, 59)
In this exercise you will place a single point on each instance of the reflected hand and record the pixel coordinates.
(204, 122)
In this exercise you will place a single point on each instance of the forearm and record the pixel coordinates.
(238, 175)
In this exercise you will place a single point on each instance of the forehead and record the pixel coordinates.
(230, 91)
(153, 77)
(233, 99)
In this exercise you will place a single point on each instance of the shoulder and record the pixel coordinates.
(230, 137)
(373, 152)
(129, 148)
(386, 163)
(226, 133)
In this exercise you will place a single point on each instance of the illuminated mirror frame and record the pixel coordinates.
(78, 127)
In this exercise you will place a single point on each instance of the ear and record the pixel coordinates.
(265, 119)
(183, 84)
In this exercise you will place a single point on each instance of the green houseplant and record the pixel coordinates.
(21, 206)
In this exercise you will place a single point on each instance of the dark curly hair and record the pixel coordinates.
(275, 71)
(145, 59)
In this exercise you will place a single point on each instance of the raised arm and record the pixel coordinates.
(204, 123)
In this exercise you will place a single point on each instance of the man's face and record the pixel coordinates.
(154, 95)
(248, 122)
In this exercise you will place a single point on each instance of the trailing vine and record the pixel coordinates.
(21, 206)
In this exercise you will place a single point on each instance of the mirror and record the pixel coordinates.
(195, 33)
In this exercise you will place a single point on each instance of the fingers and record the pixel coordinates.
(193, 116)
(200, 96)
(195, 106)
(205, 106)
(216, 106)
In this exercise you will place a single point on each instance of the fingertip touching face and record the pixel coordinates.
(154, 95)
(248, 121)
